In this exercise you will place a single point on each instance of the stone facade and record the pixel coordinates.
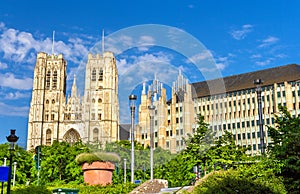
(173, 119)
(94, 118)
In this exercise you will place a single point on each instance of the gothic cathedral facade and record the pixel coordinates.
(93, 118)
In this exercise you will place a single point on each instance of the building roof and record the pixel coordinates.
(245, 81)
(124, 131)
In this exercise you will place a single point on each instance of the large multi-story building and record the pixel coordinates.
(235, 110)
(94, 118)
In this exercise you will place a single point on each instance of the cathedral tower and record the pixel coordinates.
(101, 105)
(48, 98)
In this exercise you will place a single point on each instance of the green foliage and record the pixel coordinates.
(58, 163)
(286, 148)
(249, 178)
(97, 156)
(31, 190)
(142, 160)
(204, 151)
(112, 189)
(24, 162)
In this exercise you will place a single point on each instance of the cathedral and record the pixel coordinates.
(92, 118)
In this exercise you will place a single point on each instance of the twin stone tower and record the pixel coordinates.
(94, 117)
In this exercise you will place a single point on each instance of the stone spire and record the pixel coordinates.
(144, 88)
(74, 88)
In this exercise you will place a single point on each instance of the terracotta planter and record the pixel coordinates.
(98, 173)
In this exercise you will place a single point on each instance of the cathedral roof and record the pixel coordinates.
(245, 81)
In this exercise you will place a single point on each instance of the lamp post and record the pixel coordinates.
(12, 139)
(258, 83)
(132, 99)
(125, 170)
(151, 108)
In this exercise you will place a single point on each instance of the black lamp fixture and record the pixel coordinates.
(12, 139)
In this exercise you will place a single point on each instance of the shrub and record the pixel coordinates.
(235, 181)
(97, 156)
(32, 189)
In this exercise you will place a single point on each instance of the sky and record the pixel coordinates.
(204, 39)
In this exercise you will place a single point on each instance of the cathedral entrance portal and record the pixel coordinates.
(72, 136)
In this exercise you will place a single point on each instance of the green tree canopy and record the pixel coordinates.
(286, 147)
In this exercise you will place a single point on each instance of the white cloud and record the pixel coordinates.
(8, 110)
(3, 65)
(241, 33)
(265, 62)
(20, 45)
(9, 80)
(256, 56)
(16, 95)
(205, 55)
(268, 41)
(146, 40)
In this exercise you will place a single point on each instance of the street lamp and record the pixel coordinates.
(12, 139)
(132, 99)
(151, 108)
(258, 83)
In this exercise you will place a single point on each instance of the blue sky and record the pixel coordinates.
(241, 36)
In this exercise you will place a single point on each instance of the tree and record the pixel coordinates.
(286, 148)
(142, 159)
(202, 150)
(58, 163)
(24, 161)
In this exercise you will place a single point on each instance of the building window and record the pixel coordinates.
(52, 117)
(155, 134)
(93, 116)
(48, 76)
(258, 134)
(99, 116)
(48, 137)
(253, 135)
(94, 75)
(95, 135)
(54, 80)
(167, 144)
(156, 145)
(228, 126)
(248, 123)
(100, 75)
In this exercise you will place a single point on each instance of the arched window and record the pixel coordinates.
(54, 80)
(93, 100)
(48, 76)
(95, 135)
(100, 74)
(47, 101)
(53, 101)
(94, 75)
(72, 136)
(48, 137)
